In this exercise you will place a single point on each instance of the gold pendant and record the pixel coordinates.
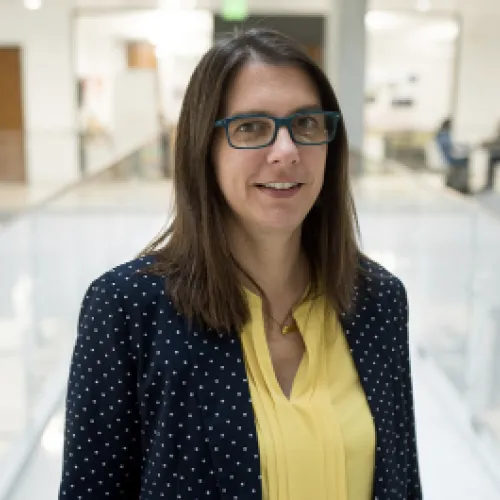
(289, 328)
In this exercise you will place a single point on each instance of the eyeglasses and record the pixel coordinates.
(254, 131)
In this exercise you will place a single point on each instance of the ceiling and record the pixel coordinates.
(299, 6)
(281, 6)
(254, 6)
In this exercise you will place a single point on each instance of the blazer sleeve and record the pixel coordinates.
(414, 487)
(102, 428)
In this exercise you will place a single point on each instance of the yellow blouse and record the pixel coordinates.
(320, 443)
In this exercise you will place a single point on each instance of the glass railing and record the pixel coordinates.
(49, 253)
(36, 167)
(445, 247)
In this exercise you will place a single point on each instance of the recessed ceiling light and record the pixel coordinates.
(423, 5)
(33, 4)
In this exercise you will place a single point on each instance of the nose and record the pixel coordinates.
(283, 150)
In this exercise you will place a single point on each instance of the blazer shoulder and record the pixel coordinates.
(381, 298)
(133, 285)
(132, 278)
(379, 283)
(141, 301)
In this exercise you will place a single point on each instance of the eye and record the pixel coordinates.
(251, 127)
(307, 122)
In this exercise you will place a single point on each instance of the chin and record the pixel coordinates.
(281, 226)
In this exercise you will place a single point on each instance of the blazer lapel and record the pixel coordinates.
(227, 411)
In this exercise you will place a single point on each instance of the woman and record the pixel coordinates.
(252, 351)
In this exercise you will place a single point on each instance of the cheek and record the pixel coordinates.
(225, 172)
(317, 163)
(231, 176)
(221, 159)
(235, 169)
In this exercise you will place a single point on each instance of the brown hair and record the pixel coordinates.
(193, 253)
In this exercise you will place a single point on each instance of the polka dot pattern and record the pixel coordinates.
(377, 332)
(155, 410)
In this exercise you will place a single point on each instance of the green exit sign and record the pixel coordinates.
(234, 10)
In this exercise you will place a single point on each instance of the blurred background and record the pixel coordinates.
(90, 92)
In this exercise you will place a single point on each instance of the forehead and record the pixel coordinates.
(277, 90)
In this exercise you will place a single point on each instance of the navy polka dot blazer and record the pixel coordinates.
(155, 410)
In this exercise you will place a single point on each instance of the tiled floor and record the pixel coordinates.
(441, 247)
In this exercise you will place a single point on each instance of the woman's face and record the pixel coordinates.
(243, 174)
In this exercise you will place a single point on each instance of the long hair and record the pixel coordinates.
(202, 278)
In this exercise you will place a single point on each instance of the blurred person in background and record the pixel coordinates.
(456, 156)
(493, 147)
(252, 351)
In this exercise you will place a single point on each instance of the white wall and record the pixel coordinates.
(478, 101)
(410, 5)
(98, 56)
(135, 120)
(54, 51)
(48, 87)
(405, 45)
(131, 99)
(122, 101)
(181, 42)
(345, 47)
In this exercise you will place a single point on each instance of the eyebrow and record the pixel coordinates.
(301, 109)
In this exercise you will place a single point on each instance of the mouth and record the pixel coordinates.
(280, 186)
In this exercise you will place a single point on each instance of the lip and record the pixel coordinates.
(280, 193)
(278, 181)
(261, 184)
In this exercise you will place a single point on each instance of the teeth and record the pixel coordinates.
(280, 185)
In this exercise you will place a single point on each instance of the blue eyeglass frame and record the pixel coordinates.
(278, 123)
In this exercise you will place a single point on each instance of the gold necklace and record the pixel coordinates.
(292, 327)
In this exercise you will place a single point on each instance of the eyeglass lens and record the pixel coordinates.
(255, 131)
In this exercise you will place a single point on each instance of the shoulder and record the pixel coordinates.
(127, 304)
(131, 285)
(132, 276)
(378, 279)
(380, 288)
(379, 307)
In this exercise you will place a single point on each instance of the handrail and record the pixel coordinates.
(466, 200)
(71, 187)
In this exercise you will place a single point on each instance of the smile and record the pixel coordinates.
(280, 185)
(280, 190)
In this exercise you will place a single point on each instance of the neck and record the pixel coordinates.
(275, 262)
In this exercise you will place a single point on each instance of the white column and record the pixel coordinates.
(477, 106)
(345, 63)
(49, 92)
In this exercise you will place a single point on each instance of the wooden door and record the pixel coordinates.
(315, 53)
(141, 55)
(12, 165)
